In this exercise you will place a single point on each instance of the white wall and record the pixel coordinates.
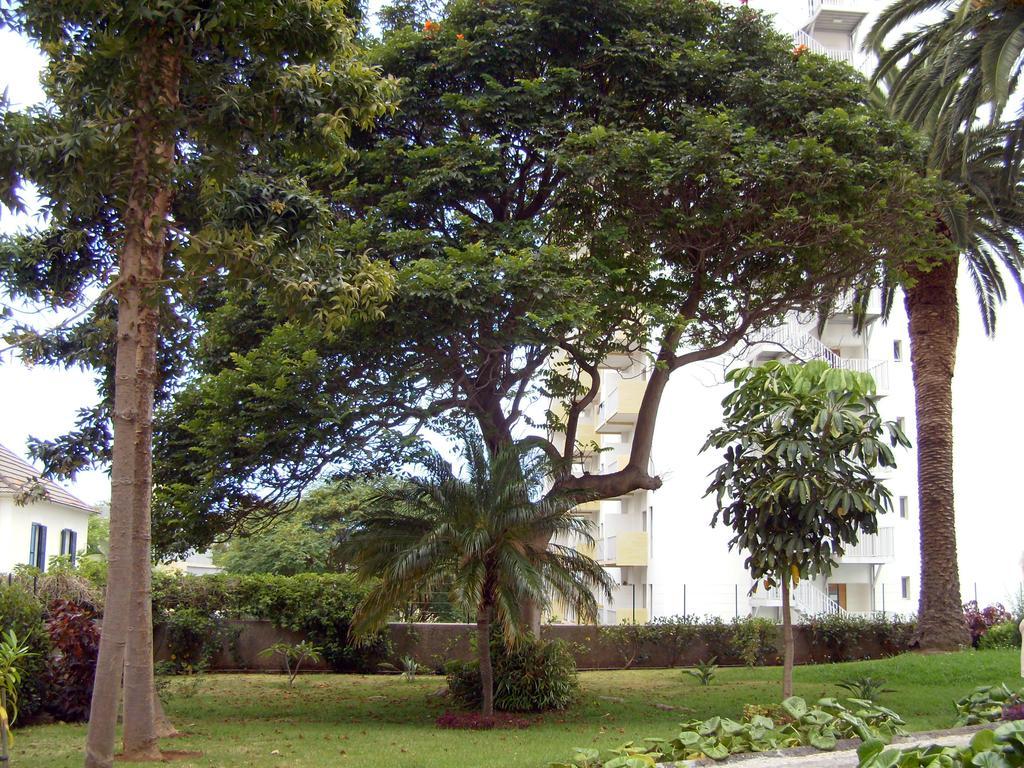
(16, 529)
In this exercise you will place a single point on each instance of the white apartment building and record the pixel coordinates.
(659, 545)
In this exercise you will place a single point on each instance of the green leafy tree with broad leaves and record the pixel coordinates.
(304, 541)
(483, 537)
(796, 485)
(171, 154)
(562, 182)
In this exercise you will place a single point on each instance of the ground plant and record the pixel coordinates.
(704, 671)
(866, 687)
(985, 704)
(293, 656)
(1002, 747)
(820, 726)
(22, 613)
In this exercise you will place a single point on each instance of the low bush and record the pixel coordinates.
(536, 676)
(22, 612)
(71, 666)
(844, 638)
(749, 641)
(981, 620)
(1005, 635)
(193, 639)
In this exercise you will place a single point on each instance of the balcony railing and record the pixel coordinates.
(876, 547)
(620, 407)
(627, 548)
(836, 54)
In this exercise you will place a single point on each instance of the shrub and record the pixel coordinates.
(536, 676)
(981, 620)
(1005, 635)
(193, 639)
(318, 605)
(753, 640)
(21, 611)
(840, 636)
(72, 665)
(677, 633)
(631, 640)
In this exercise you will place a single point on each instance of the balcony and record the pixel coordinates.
(624, 549)
(618, 410)
(587, 508)
(874, 548)
(835, 15)
(626, 606)
(613, 462)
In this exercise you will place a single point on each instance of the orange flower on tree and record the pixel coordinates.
(430, 26)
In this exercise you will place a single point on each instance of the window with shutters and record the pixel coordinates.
(37, 547)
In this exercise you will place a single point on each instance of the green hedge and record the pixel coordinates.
(843, 638)
(318, 605)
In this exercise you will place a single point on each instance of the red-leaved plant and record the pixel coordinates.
(979, 621)
(72, 665)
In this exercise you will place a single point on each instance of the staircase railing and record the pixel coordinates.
(807, 599)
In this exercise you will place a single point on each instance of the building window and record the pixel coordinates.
(904, 507)
(897, 350)
(69, 544)
(37, 547)
(905, 587)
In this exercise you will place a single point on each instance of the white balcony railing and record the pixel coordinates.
(836, 54)
(607, 549)
(608, 406)
(874, 547)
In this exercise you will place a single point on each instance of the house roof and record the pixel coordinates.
(16, 474)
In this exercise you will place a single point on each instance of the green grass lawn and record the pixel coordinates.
(348, 720)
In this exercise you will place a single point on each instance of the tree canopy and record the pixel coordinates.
(560, 182)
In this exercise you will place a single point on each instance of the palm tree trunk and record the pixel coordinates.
(934, 324)
(483, 642)
(788, 648)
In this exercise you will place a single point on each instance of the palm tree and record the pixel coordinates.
(941, 74)
(984, 226)
(478, 538)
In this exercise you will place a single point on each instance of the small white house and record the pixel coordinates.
(38, 518)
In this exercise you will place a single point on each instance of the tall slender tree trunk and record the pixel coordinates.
(140, 721)
(788, 647)
(932, 309)
(483, 642)
(126, 643)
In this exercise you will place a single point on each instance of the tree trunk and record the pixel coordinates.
(164, 727)
(106, 692)
(787, 642)
(126, 643)
(934, 324)
(483, 642)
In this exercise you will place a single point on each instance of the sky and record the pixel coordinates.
(42, 402)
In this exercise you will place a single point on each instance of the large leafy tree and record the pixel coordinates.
(476, 536)
(562, 182)
(796, 485)
(939, 76)
(170, 155)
